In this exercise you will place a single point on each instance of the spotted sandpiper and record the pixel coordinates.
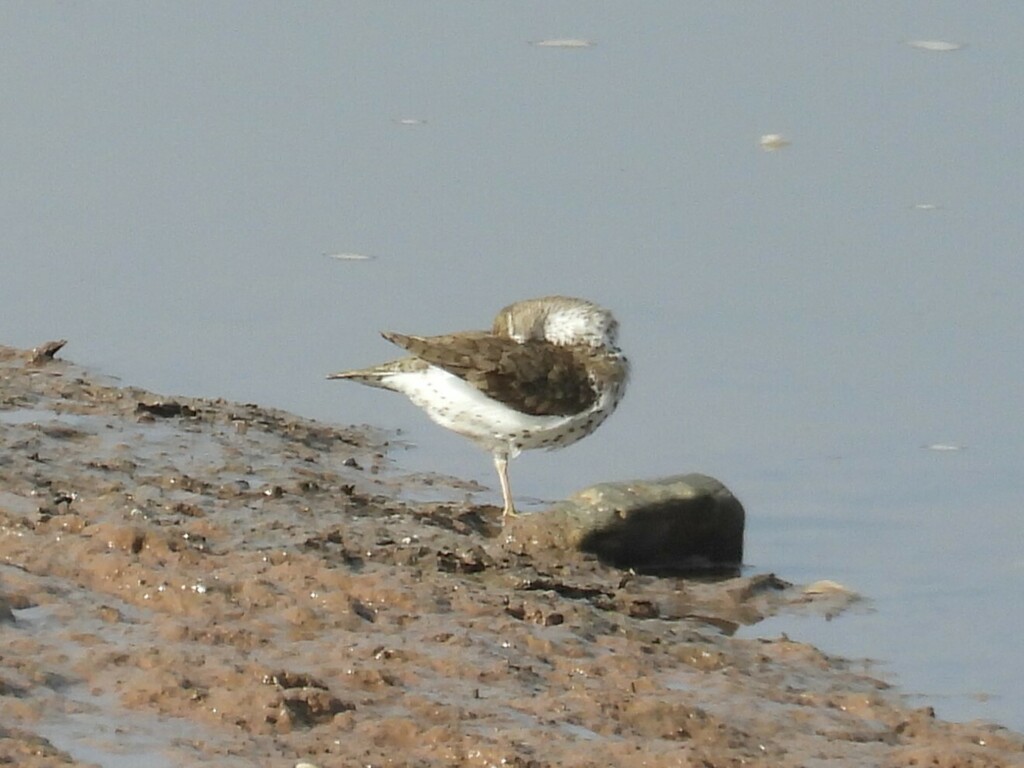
(547, 374)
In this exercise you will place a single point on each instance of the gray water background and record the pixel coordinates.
(802, 323)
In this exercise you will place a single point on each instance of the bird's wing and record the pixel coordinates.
(534, 377)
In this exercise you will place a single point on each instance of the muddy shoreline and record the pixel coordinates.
(193, 581)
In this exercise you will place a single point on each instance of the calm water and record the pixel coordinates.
(801, 322)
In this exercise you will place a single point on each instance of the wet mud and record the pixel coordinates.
(188, 581)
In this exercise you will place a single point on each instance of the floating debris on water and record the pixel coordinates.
(349, 256)
(926, 207)
(945, 447)
(564, 42)
(772, 141)
(941, 46)
(410, 121)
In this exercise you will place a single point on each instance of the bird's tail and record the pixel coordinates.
(379, 375)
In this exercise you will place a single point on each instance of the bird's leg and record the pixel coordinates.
(501, 464)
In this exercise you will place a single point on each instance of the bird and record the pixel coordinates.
(547, 374)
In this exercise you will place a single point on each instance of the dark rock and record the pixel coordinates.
(166, 409)
(679, 524)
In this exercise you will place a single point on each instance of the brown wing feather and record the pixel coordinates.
(535, 377)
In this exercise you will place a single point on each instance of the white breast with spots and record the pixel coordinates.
(462, 408)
